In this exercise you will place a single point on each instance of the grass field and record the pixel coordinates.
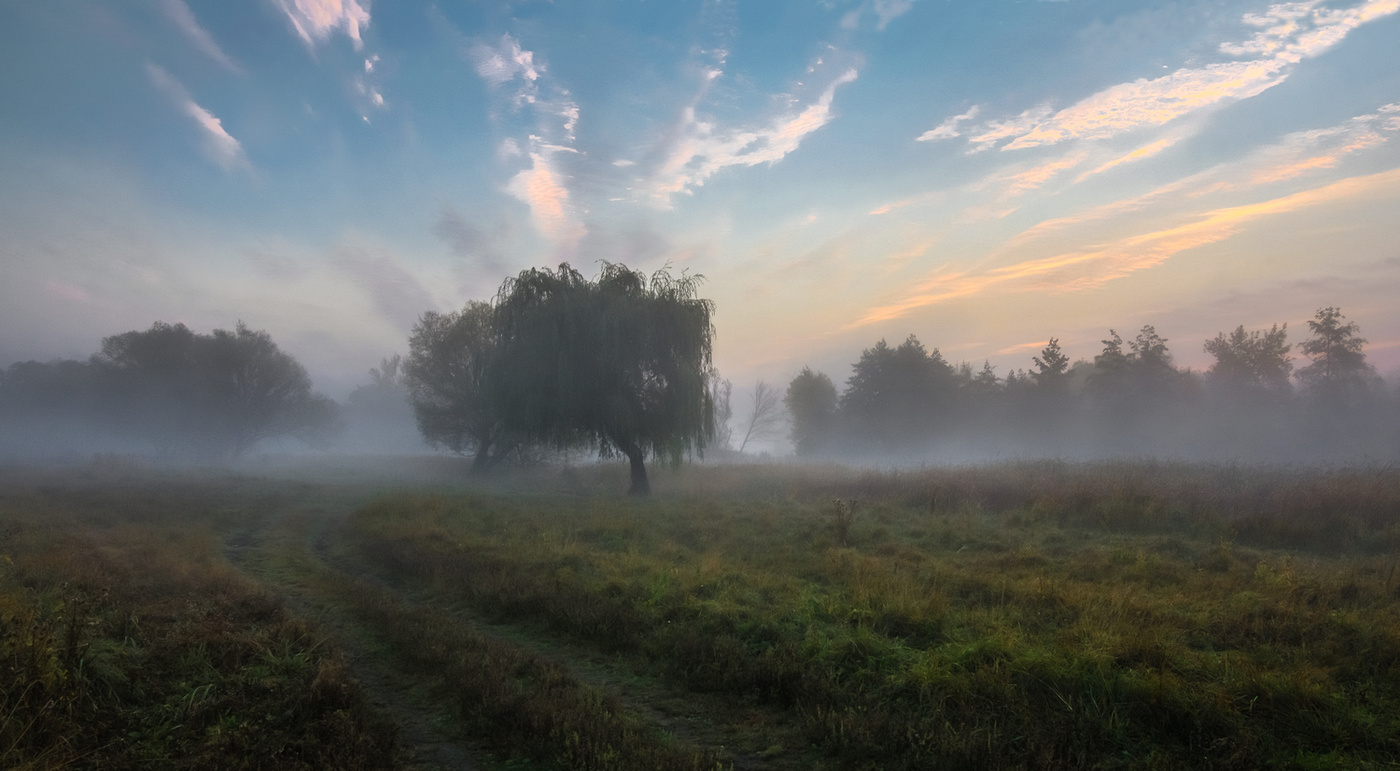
(1023, 615)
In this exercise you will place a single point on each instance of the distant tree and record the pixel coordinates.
(1051, 367)
(1111, 369)
(811, 404)
(217, 395)
(897, 396)
(764, 419)
(262, 393)
(985, 382)
(1250, 362)
(151, 384)
(52, 406)
(721, 396)
(379, 415)
(1338, 373)
(453, 384)
(1150, 353)
(1018, 382)
(622, 362)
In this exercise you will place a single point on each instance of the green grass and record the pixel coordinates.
(1023, 616)
(126, 640)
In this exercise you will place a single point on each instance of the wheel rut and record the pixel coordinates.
(749, 738)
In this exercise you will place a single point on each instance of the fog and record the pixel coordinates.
(232, 395)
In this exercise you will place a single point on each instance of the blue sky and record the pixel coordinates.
(984, 175)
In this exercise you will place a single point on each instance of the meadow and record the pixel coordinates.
(1016, 615)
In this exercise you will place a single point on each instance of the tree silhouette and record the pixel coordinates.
(811, 403)
(622, 362)
(721, 396)
(897, 396)
(1338, 373)
(1247, 363)
(1051, 367)
(764, 420)
(453, 384)
(215, 395)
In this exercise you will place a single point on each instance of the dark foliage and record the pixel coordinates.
(621, 362)
(167, 390)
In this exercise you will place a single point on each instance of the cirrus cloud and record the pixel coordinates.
(1287, 33)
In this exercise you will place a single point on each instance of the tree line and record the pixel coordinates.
(1130, 399)
(168, 390)
(619, 364)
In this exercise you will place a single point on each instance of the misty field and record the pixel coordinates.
(1023, 615)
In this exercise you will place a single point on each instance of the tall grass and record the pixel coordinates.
(1028, 615)
(126, 640)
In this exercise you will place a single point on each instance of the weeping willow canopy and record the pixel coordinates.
(621, 361)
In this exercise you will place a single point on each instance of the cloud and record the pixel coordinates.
(1303, 151)
(183, 17)
(504, 62)
(1146, 151)
(1287, 34)
(1084, 269)
(542, 188)
(885, 12)
(948, 129)
(315, 20)
(219, 145)
(1030, 179)
(699, 150)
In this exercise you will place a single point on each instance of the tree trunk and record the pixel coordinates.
(483, 461)
(640, 485)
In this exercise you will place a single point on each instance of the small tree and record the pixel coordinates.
(1250, 362)
(764, 420)
(453, 384)
(1338, 373)
(811, 403)
(622, 361)
(721, 396)
(1051, 367)
(1111, 369)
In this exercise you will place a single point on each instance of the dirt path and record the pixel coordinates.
(749, 738)
(426, 737)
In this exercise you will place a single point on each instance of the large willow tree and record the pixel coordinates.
(621, 362)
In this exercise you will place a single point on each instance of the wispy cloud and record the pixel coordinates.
(315, 20)
(948, 129)
(1084, 269)
(219, 145)
(1303, 151)
(542, 187)
(179, 13)
(885, 11)
(506, 61)
(700, 149)
(1146, 151)
(1286, 34)
(1022, 182)
(523, 80)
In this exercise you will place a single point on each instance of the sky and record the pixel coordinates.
(984, 174)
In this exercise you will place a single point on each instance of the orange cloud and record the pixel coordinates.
(1078, 270)
(1146, 151)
